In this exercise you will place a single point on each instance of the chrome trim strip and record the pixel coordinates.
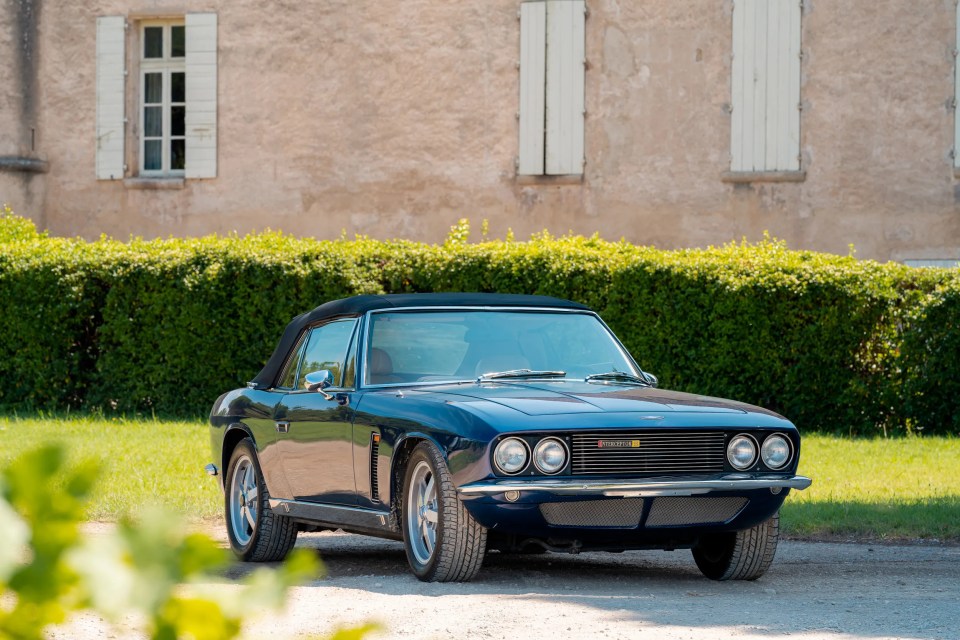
(672, 486)
(332, 514)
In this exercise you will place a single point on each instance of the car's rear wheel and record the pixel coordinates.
(738, 555)
(442, 540)
(256, 533)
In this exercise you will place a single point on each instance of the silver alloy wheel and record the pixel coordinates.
(244, 500)
(422, 512)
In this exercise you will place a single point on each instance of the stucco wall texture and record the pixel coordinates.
(394, 120)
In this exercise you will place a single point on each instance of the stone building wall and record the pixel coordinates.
(395, 120)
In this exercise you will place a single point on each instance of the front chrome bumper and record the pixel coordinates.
(641, 488)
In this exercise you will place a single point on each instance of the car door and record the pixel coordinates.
(315, 429)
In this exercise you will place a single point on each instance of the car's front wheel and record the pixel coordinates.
(442, 540)
(256, 533)
(738, 555)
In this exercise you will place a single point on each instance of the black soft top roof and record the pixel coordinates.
(358, 305)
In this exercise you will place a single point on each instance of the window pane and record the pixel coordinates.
(327, 349)
(289, 379)
(152, 151)
(152, 88)
(153, 122)
(176, 38)
(153, 42)
(422, 345)
(178, 91)
(177, 120)
(178, 155)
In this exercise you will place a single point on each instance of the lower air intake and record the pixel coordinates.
(618, 512)
(678, 512)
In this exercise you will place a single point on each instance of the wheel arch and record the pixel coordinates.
(236, 433)
(398, 466)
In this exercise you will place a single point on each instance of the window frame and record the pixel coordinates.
(166, 65)
(293, 363)
(298, 356)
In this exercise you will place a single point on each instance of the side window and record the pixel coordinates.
(289, 378)
(327, 349)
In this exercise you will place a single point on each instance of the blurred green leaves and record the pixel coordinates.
(48, 507)
(152, 568)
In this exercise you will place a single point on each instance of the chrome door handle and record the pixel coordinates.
(282, 427)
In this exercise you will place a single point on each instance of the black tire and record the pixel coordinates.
(451, 548)
(738, 555)
(256, 534)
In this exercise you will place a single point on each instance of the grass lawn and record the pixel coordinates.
(143, 462)
(876, 488)
(868, 488)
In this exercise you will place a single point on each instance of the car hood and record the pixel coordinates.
(561, 397)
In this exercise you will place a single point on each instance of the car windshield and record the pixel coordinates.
(426, 346)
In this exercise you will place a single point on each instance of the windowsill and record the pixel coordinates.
(746, 177)
(154, 184)
(576, 178)
(24, 165)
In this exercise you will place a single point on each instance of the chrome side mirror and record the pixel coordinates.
(651, 379)
(318, 381)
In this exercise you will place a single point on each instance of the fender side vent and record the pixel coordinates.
(374, 465)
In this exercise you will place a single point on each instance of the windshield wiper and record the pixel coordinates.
(521, 373)
(619, 376)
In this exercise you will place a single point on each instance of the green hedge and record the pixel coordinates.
(834, 343)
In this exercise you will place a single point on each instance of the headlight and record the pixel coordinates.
(742, 451)
(550, 455)
(511, 455)
(775, 451)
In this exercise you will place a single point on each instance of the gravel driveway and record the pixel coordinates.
(813, 591)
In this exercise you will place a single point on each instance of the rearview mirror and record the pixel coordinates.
(651, 379)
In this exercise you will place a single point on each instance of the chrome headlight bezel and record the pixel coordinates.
(500, 465)
(735, 442)
(773, 440)
(541, 466)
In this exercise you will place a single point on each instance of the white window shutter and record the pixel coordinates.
(765, 86)
(565, 86)
(201, 69)
(110, 97)
(533, 48)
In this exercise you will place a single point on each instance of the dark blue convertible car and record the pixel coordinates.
(461, 423)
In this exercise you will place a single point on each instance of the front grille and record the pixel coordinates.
(657, 452)
(618, 512)
(676, 512)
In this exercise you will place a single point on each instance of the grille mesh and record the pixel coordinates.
(619, 512)
(675, 512)
(374, 469)
(658, 452)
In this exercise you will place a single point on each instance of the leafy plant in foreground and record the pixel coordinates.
(150, 568)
